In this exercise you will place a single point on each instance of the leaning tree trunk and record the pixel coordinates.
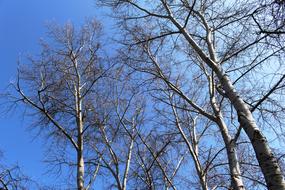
(267, 161)
(236, 179)
(234, 167)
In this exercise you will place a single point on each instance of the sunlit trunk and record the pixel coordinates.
(236, 179)
(264, 155)
(266, 159)
(80, 159)
(79, 122)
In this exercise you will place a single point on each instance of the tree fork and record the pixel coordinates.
(267, 161)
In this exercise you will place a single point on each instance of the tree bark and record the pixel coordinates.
(79, 122)
(266, 159)
(268, 163)
(230, 144)
(80, 158)
(80, 171)
(236, 179)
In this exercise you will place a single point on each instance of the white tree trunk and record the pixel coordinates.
(236, 179)
(266, 159)
(79, 123)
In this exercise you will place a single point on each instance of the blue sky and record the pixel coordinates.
(22, 24)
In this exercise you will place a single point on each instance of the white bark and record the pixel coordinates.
(236, 179)
(128, 162)
(193, 151)
(79, 123)
(267, 161)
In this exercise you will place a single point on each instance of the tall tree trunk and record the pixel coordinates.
(80, 170)
(236, 179)
(80, 158)
(79, 122)
(128, 162)
(267, 161)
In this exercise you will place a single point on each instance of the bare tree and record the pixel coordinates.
(61, 89)
(117, 136)
(270, 18)
(215, 38)
(188, 107)
(13, 178)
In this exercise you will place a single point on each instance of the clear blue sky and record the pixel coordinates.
(22, 24)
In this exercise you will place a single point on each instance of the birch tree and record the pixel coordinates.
(219, 37)
(61, 89)
(13, 178)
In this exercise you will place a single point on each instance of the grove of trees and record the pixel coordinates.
(193, 97)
